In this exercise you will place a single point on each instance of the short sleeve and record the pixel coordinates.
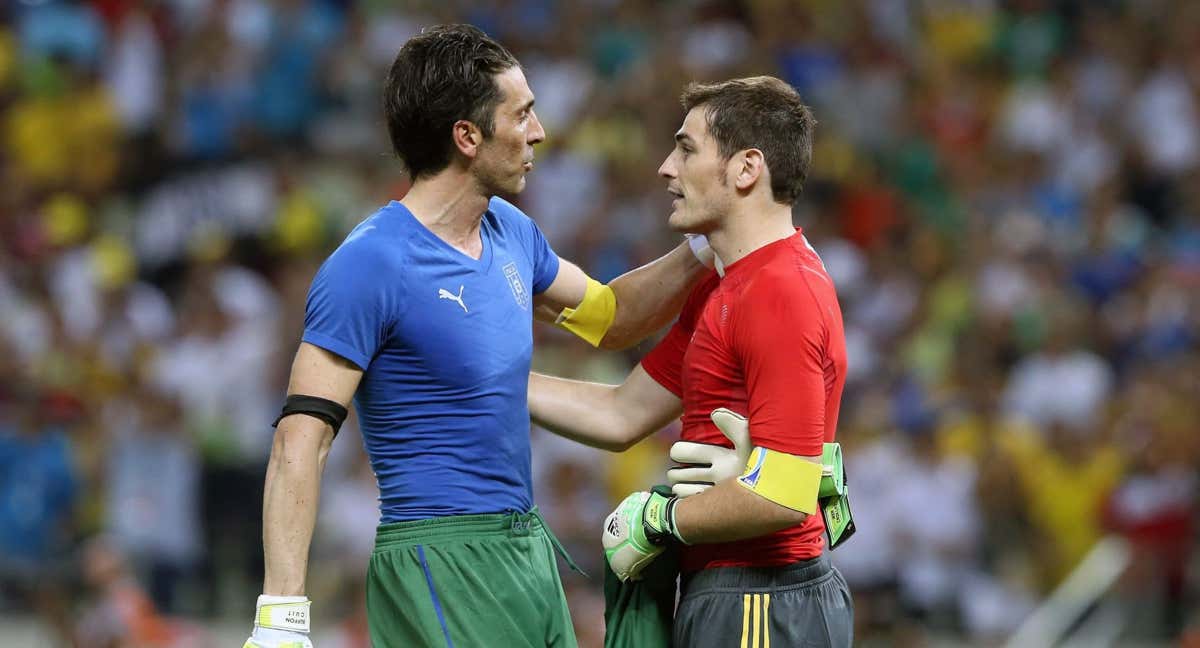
(346, 313)
(545, 261)
(779, 338)
(664, 363)
(541, 256)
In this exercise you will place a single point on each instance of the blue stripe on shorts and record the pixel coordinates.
(437, 604)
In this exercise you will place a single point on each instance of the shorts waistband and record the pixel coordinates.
(511, 524)
(456, 527)
(745, 578)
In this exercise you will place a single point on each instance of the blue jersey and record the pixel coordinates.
(445, 343)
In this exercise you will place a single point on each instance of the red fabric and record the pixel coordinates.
(766, 342)
(664, 363)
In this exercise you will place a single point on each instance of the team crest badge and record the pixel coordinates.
(518, 288)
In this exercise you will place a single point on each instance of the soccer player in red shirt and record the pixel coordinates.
(765, 341)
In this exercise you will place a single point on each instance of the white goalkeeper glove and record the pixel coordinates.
(638, 531)
(705, 464)
(704, 252)
(280, 622)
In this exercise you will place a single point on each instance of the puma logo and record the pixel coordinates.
(446, 294)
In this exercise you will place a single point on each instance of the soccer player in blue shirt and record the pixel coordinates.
(424, 317)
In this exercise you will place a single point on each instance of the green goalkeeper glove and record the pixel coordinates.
(639, 530)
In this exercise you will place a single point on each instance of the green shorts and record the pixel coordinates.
(466, 581)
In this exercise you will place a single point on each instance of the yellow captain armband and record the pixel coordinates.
(593, 316)
(785, 479)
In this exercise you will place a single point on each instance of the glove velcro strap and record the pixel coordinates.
(833, 479)
(658, 516)
(787, 480)
(283, 613)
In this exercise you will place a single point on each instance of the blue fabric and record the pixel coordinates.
(445, 343)
(437, 603)
(37, 493)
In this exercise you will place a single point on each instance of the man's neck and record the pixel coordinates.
(451, 206)
(747, 230)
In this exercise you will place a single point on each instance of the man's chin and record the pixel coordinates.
(508, 189)
(677, 222)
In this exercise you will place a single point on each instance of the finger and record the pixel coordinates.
(734, 426)
(687, 489)
(690, 474)
(687, 452)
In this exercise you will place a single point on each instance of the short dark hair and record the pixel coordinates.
(764, 113)
(444, 74)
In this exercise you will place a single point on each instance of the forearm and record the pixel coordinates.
(649, 297)
(728, 512)
(586, 412)
(290, 499)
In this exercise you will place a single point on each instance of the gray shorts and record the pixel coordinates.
(803, 604)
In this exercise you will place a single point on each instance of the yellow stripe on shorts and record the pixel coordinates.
(757, 627)
(766, 621)
(745, 619)
(757, 606)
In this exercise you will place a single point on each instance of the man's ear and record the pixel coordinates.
(751, 167)
(467, 137)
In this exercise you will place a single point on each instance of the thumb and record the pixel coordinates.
(734, 426)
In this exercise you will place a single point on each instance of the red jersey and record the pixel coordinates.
(765, 341)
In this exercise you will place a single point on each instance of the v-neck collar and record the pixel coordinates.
(478, 265)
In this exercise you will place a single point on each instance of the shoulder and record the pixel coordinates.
(784, 300)
(507, 212)
(371, 263)
(375, 240)
(795, 280)
(780, 287)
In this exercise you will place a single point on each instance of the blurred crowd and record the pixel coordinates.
(1007, 194)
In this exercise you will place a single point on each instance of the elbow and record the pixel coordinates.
(631, 436)
(294, 446)
(620, 445)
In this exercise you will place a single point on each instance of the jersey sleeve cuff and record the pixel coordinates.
(337, 346)
(548, 275)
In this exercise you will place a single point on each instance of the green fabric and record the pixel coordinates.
(835, 497)
(494, 576)
(639, 614)
(834, 484)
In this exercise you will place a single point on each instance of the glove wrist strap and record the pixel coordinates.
(283, 613)
(659, 520)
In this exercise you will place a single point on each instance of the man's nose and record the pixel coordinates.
(537, 134)
(667, 169)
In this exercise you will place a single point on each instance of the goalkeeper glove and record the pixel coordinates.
(705, 464)
(638, 531)
(280, 622)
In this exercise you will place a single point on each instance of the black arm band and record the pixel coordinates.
(315, 406)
